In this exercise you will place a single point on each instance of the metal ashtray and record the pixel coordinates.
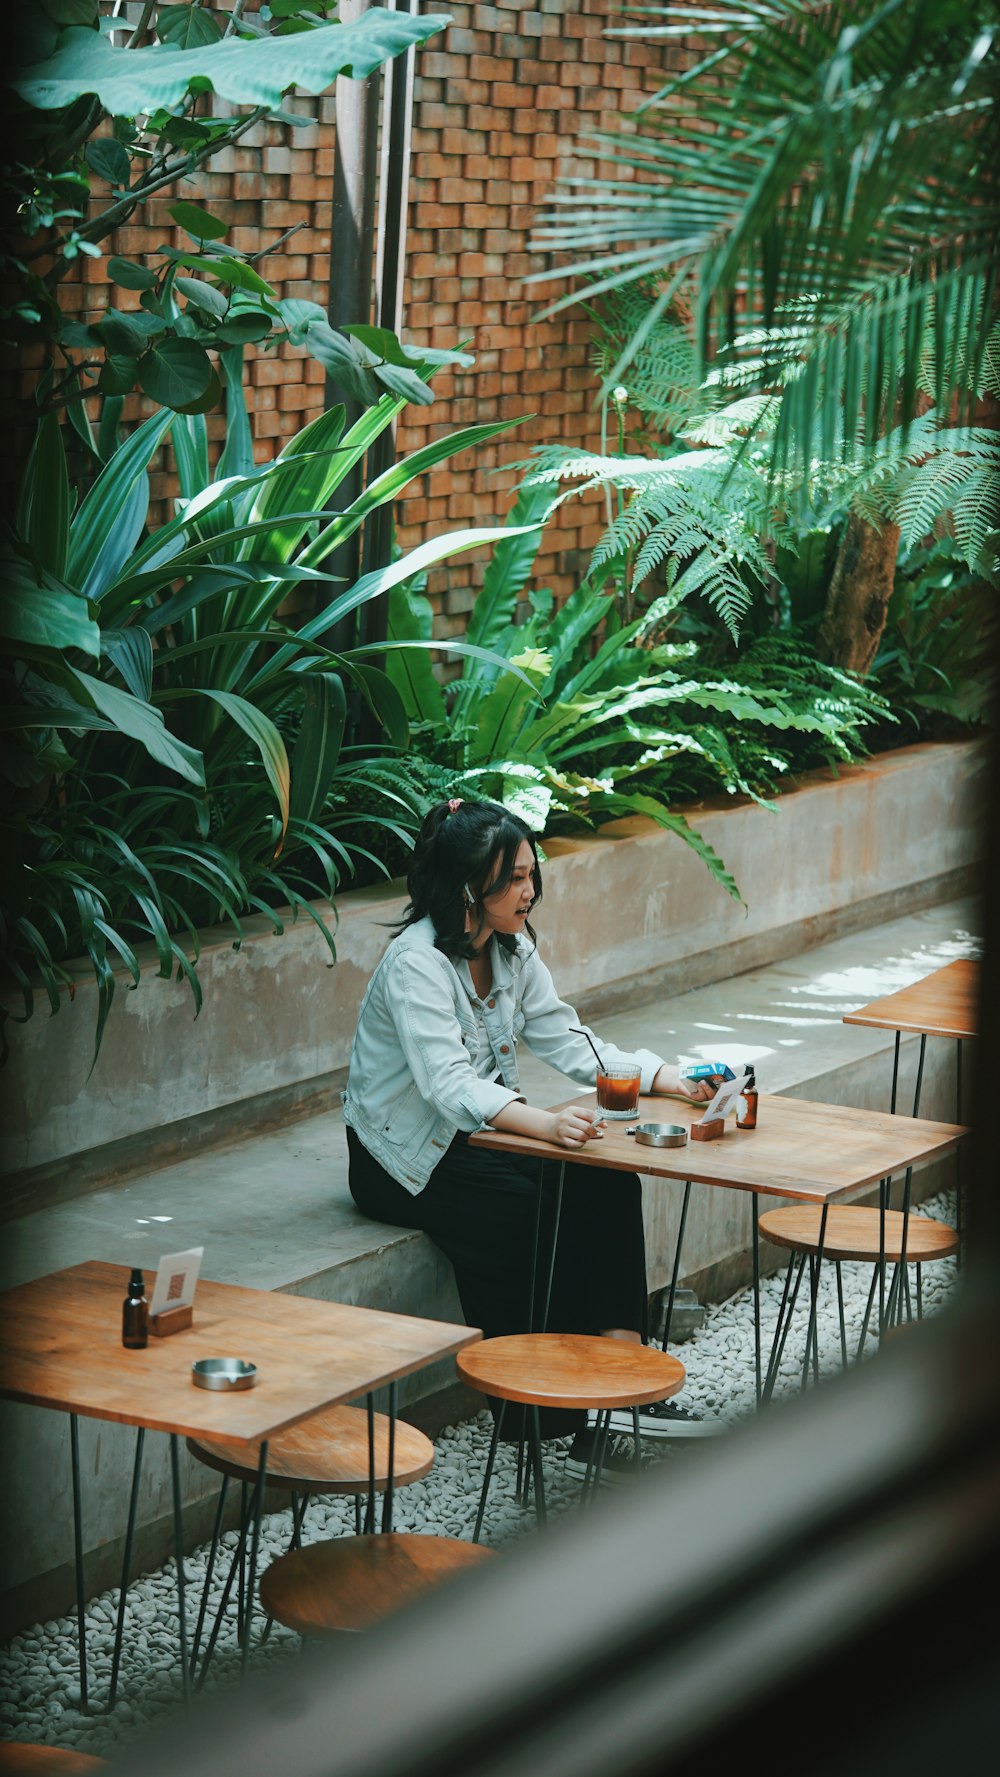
(223, 1372)
(660, 1135)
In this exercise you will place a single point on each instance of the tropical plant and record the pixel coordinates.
(103, 115)
(819, 189)
(178, 753)
(910, 483)
(617, 720)
(937, 664)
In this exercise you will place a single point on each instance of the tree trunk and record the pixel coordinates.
(859, 594)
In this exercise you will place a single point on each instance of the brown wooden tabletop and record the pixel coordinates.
(943, 1004)
(816, 1153)
(60, 1346)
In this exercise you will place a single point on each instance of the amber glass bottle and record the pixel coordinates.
(135, 1313)
(746, 1103)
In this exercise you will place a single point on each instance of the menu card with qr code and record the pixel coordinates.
(176, 1276)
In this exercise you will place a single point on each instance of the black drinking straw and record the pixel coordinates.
(586, 1033)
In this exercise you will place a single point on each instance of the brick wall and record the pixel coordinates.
(501, 98)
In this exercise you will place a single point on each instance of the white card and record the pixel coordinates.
(176, 1276)
(725, 1099)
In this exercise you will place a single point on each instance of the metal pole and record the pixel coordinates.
(352, 246)
(390, 258)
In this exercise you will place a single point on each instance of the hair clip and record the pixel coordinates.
(454, 802)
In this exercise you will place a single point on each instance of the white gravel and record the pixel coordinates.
(39, 1673)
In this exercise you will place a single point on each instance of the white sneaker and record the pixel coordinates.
(665, 1420)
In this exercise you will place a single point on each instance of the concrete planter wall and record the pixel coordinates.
(629, 903)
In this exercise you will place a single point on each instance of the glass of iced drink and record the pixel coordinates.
(618, 1089)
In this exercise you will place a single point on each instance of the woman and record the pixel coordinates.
(435, 1058)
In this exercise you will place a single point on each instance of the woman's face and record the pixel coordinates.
(507, 909)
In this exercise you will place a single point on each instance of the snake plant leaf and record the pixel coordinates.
(105, 530)
(132, 82)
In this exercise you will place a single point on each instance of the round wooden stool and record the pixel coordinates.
(351, 1582)
(327, 1453)
(23, 1758)
(851, 1231)
(564, 1370)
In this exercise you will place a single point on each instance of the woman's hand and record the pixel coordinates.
(574, 1126)
(571, 1127)
(668, 1080)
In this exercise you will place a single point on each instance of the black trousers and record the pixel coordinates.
(480, 1209)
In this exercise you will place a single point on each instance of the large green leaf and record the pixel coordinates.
(380, 580)
(131, 82)
(175, 372)
(144, 724)
(46, 499)
(105, 530)
(189, 436)
(237, 452)
(317, 749)
(390, 484)
(43, 617)
(266, 739)
(510, 565)
(187, 27)
(410, 619)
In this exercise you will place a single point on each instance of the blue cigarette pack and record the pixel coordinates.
(707, 1070)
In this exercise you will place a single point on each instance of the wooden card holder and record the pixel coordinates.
(171, 1320)
(708, 1131)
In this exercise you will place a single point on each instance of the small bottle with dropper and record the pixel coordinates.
(135, 1313)
(746, 1103)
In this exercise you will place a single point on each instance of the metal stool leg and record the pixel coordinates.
(675, 1272)
(126, 1565)
(254, 1551)
(490, 1462)
(175, 1475)
(843, 1321)
(536, 1463)
(81, 1619)
(209, 1571)
(812, 1334)
(783, 1323)
(755, 1231)
(868, 1312)
(389, 1495)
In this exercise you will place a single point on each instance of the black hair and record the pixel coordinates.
(465, 848)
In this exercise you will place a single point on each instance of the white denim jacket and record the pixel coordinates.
(427, 1050)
